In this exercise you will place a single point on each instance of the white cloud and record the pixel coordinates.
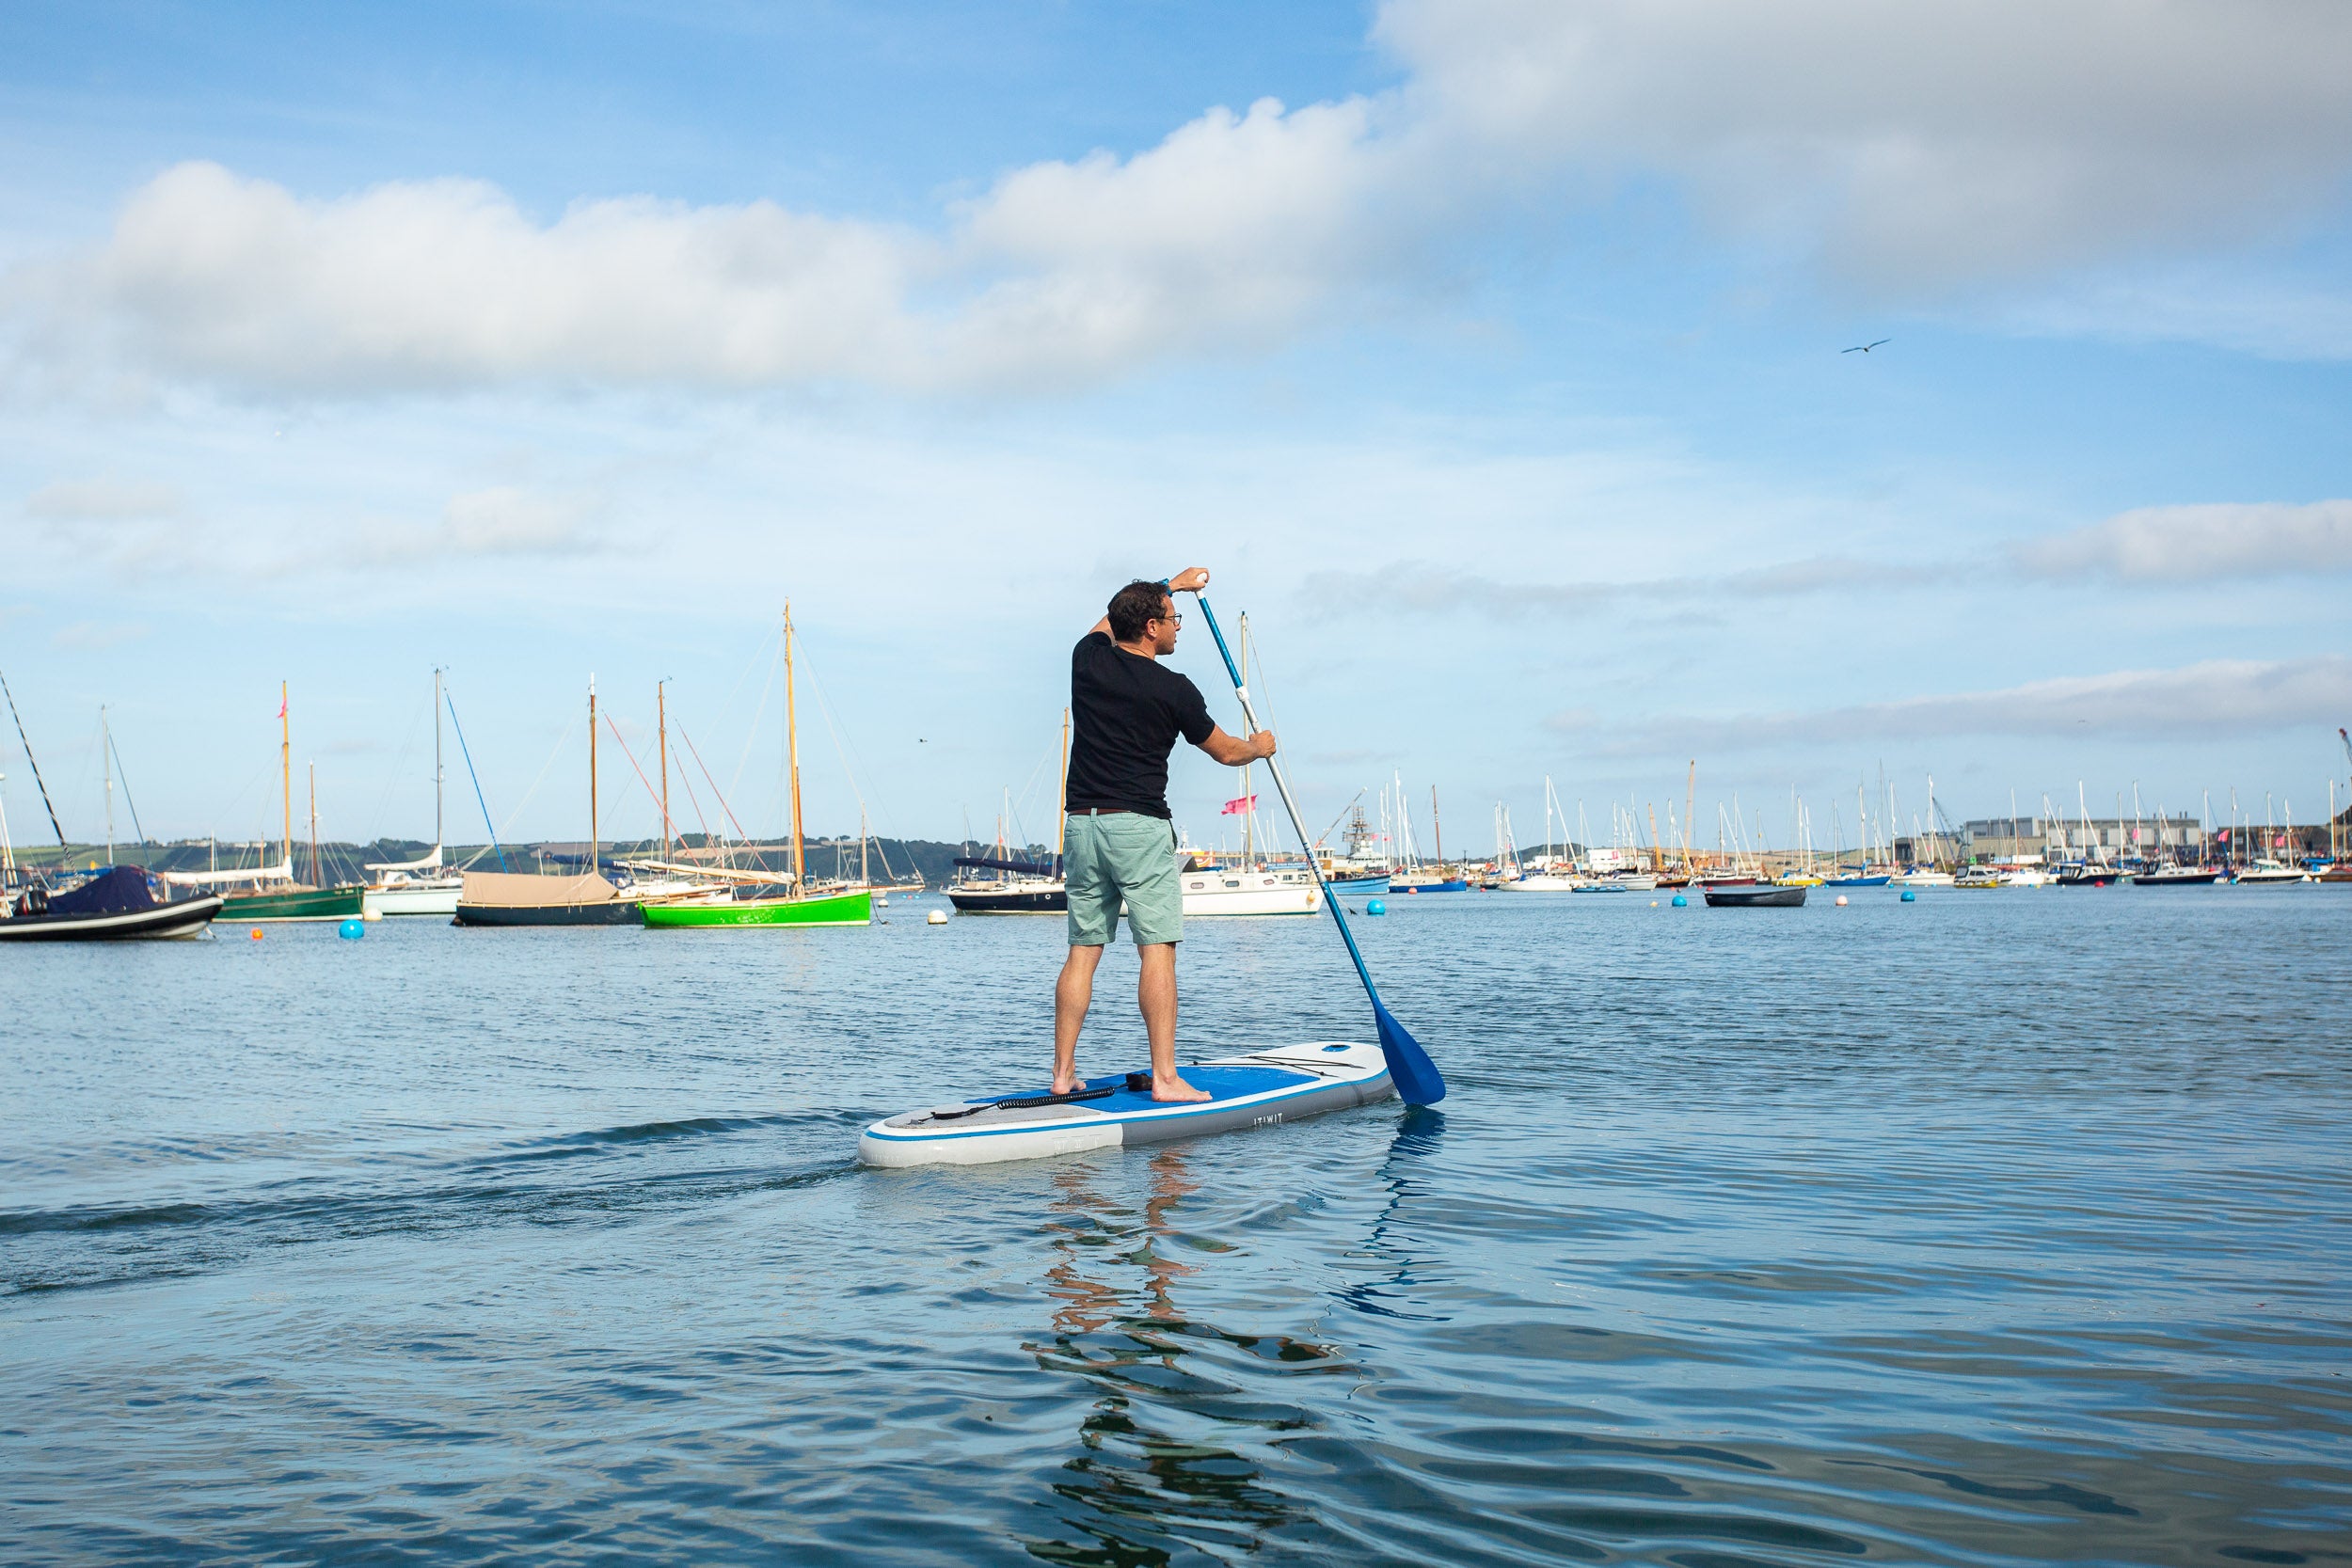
(99, 500)
(1919, 146)
(1429, 588)
(1916, 149)
(502, 520)
(2196, 544)
(2217, 697)
(1230, 231)
(97, 636)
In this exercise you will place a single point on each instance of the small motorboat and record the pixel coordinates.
(2176, 876)
(1753, 896)
(118, 904)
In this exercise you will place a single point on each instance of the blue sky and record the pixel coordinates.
(1487, 352)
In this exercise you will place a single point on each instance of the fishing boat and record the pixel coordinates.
(1361, 871)
(122, 903)
(1262, 1088)
(424, 885)
(798, 904)
(1755, 896)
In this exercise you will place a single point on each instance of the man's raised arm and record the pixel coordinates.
(1232, 751)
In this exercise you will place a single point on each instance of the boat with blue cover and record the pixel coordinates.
(119, 903)
(1262, 1088)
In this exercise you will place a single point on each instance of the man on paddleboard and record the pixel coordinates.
(1126, 711)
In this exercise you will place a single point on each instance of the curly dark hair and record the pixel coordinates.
(1134, 604)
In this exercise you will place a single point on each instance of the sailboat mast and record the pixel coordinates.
(592, 857)
(1250, 807)
(661, 728)
(1062, 828)
(285, 773)
(316, 881)
(437, 759)
(1437, 829)
(792, 751)
(105, 766)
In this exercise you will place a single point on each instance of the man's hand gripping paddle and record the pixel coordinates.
(1409, 1066)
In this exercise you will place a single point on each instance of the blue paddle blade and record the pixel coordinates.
(1409, 1068)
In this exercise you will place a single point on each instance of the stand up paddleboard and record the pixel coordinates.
(1264, 1088)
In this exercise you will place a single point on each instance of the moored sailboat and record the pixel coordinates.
(798, 906)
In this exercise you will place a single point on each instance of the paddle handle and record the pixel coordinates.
(1281, 786)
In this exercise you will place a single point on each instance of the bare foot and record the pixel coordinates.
(1175, 1089)
(1066, 1085)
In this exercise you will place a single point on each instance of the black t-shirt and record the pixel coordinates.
(1126, 712)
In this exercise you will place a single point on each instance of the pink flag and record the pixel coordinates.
(1239, 808)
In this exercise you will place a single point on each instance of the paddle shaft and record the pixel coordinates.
(1281, 786)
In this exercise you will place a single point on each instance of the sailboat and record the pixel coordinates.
(424, 885)
(798, 906)
(516, 898)
(276, 896)
(1253, 885)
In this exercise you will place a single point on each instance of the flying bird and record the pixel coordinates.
(1865, 348)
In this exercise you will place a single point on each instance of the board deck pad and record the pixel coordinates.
(1257, 1089)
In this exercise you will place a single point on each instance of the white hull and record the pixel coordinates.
(1540, 881)
(1924, 879)
(1234, 891)
(415, 899)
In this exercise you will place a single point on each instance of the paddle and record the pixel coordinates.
(1410, 1069)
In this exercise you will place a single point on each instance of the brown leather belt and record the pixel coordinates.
(1100, 811)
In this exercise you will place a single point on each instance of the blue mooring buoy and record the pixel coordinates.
(1682, 901)
(1375, 907)
(351, 930)
(1910, 897)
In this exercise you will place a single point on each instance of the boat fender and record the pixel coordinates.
(36, 900)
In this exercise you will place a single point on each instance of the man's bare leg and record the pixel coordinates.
(1155, 993)
(1073, 994)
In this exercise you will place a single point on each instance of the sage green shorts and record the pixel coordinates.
(1124, 856)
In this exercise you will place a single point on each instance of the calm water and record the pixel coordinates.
(1996, 1228)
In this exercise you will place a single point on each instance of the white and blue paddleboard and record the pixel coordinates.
(1264, 1088)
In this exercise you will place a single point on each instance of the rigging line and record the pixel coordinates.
(392, 780)
(29, 757)
(740, 836)
(686, 780)
(632, 762)
(123, 779)
(758, 714)
(816, 685)
(563, 735)
(466, 751)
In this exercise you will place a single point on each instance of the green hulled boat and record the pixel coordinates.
(324, 903)
(840, 908)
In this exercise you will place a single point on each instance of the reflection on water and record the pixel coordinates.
(1152, 1475)
(1406, 1267)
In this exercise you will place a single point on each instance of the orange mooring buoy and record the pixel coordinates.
(257, 933)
